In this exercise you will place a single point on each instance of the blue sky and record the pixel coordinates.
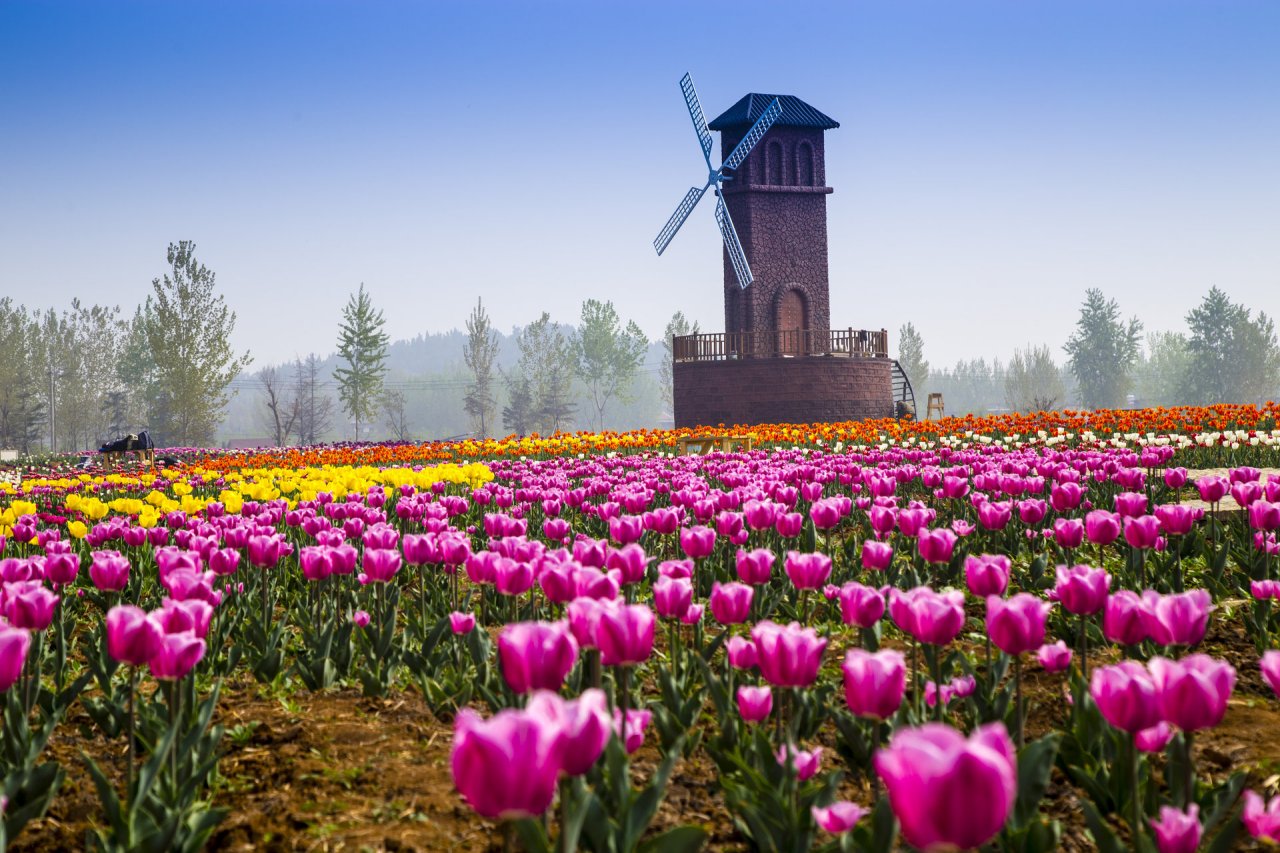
(994, 158)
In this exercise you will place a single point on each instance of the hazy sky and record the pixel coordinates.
(994, 158)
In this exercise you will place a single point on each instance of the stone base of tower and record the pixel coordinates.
(803, 389)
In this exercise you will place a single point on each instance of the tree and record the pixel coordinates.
(281, 410)
(911, 358)
(189, 331)
(677, 327)
(479, 353)
(1032, 381)
(1232, 357)
(394, 415)
(605, 355)
(1162, 376)
(22, 406)
(517, 415)
(135, 373)
(315, 408)
(1102, 352)
(362, 345)
(544, 356)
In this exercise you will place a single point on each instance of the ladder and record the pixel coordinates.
(904, 399)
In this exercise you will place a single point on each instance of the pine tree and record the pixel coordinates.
(1102, 352)
(479, 352)
(362, 346)
(189, 329)
(517, 415)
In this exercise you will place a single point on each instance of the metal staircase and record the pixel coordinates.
(904, 399)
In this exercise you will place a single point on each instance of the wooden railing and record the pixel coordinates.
(860, 343)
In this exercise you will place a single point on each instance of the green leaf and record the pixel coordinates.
(680, 839)
(1035, 766)
(1103, 836)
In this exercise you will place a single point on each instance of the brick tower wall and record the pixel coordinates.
(781, 390)
(778, 202)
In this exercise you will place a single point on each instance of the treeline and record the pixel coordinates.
(1226, 353)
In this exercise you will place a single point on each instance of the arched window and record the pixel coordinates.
(804, 165)
(773, 163)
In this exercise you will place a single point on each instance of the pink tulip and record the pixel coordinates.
(536, 655)
(1131, 504)
(1126, 696)
(224, 561)
(178, 617)
(625, 634)
(506, 767)
(1175, 478)
(176, 655)
(672, 596)
(808, 571)
(697, 542)
(1054, 657)
(693, 615)
(632, 733)
(1068, 532)
(936, 546)
(626, 529)
(874, 683)
(584, 725)
(1154, 739)
(755, 703)
(760, 515)
(1194, 691)
(1032, 511)
(876, 556)
(380, 565)
(61, 569)
(1017, 625)
(1270, 666)
(1264, 515)
(839, 817)
(30, 605)
(789, 524)
(1141, 532)
(265, 551)
(1102, 527)
(947, 791)
(860, 605)
(361, 618)
(930, 617)
(1082, 590)
(630, 560)
(1261, 818)
(788, 656)
(731, 602)
(825, 514)
(1124, 619)
(804, 763)
(1177, 832)
(462, 623)
(987, 575)
(109, 571)
(1212, 488)
(14, 644)
(1178, 619)
(755, 567)
(1066, 496)
(316, 562)
(994, 515)
(1177, 519)
(741, 653)
(913, 521)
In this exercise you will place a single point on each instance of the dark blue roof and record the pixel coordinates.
(795, 113)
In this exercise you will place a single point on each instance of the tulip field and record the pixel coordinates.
(1027, 633)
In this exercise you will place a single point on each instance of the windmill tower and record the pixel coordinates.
(778, 360)
(778, 200)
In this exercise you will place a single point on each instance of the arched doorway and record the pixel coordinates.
(791, 322)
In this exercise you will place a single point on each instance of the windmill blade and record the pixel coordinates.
(699, 120)
(731, 244)
(757, 131)
(686, 206)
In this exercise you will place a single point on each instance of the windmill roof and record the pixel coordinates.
(795, 113)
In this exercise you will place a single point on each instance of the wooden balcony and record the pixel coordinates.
(791, 343)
